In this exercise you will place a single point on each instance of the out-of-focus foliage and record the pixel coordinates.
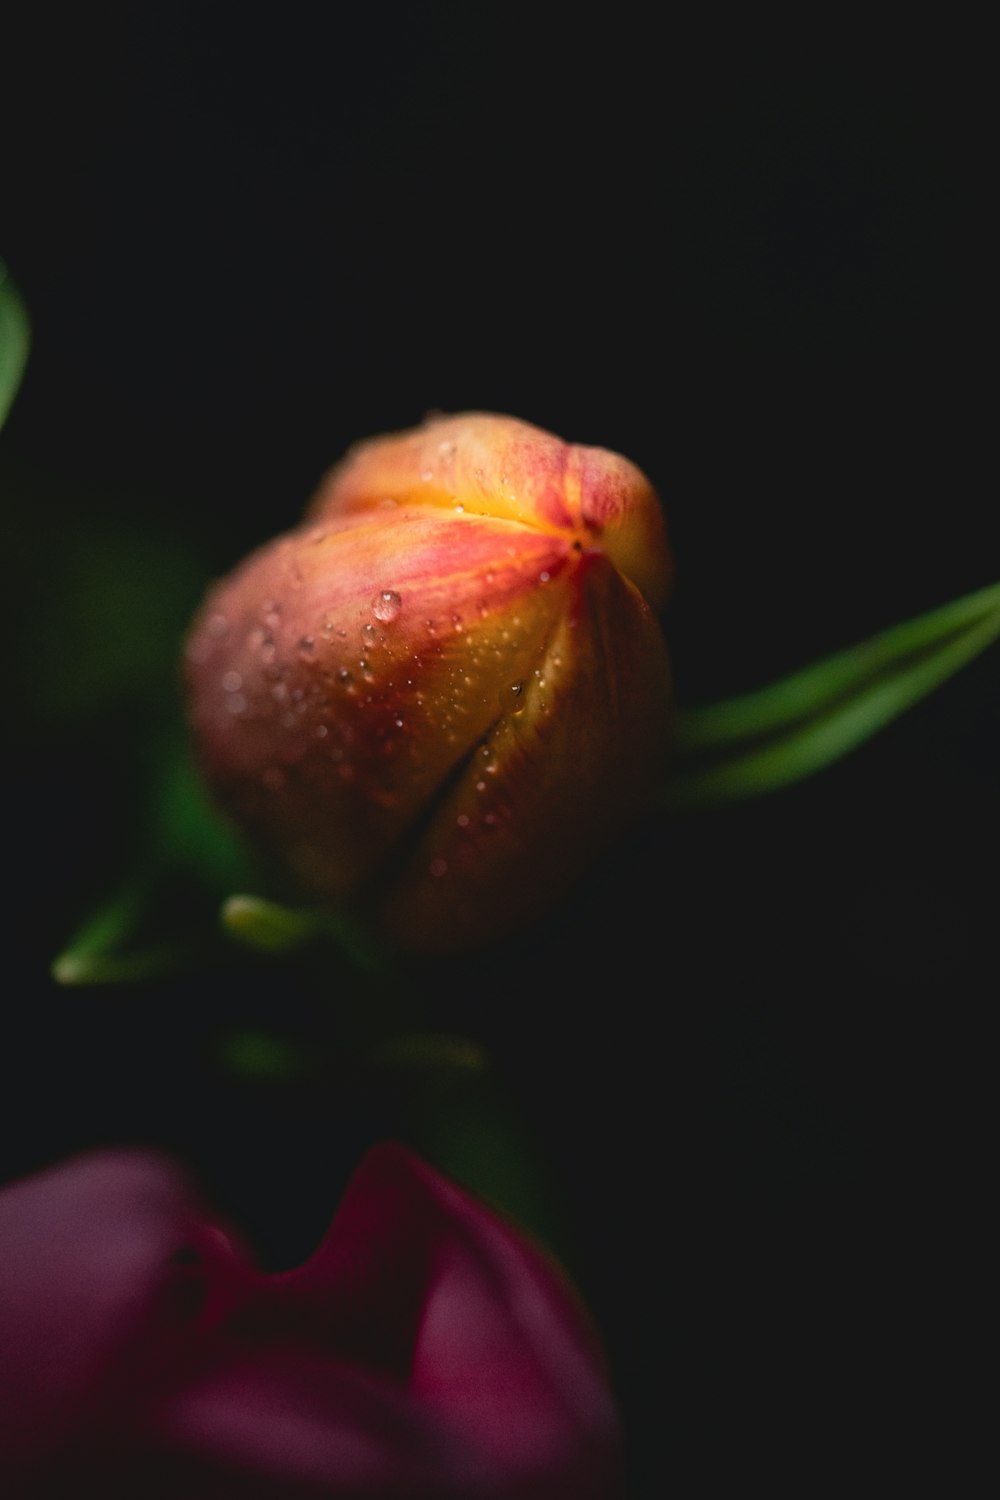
(15, 338)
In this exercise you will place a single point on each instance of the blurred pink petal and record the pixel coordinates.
(99, 1257)
(427, 1349)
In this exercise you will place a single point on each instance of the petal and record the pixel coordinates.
(561, 774)
(337, 680)
(86, 1277)
(284, 1422)
(429, 1291)
(499, 466)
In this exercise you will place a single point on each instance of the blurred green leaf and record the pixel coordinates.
(794, 727)
(272, 927)
(105, 949)
(433, 1052)
(15, 339)
(266, 925)
(253, 1054)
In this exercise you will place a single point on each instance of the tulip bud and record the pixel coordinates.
(447, 689)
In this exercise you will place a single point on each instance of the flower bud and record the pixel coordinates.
(447, 689)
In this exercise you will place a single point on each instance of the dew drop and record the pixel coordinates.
(232, 682)
(321, 731)
(369, 634)
(438, 867)
(544, 576)
(217, 626)
(462, 820)
(512, 698)
(307, 644)
(345, 676)
(236, 703)
(387, 605)
(460, 508)
(427, 475)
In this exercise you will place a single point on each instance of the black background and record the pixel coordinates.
(750, 259)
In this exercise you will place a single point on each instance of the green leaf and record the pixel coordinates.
(266, 925)
(105, 949)
(254, 1054)
(15, 338)
(792, 728)
(271, 927)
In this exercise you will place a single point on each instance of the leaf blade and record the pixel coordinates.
(15, 340)
(808, 745)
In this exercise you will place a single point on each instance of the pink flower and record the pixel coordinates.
(426, 1349)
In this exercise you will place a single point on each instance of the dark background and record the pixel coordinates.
(732, 1081)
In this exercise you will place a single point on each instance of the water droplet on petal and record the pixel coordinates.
(438, 867)
(512, 698)
(306, 644)
(387, 605)
(232, 682)
(217, 626)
